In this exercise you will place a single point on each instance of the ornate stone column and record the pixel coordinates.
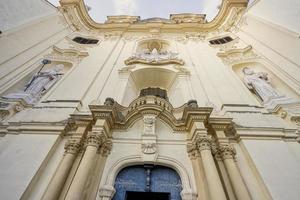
(56, 184)
(94, 141)
(228, 153)
(216, 191)
(222, 169)
(201, 182)
(95, 176)
(72, 147)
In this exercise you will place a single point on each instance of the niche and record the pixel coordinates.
(38, 82)
(154, 77)
(278, 85)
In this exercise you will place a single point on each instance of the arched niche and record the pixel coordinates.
(279, 85)
(165, 77)
(22, 83)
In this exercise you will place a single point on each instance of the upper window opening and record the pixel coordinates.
(221, 40)
(82, 40)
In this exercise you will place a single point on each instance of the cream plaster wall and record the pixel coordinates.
(283, 13)
(278, 46)
(20, 158)
(22, 50)
(14, 13)
(277, 165)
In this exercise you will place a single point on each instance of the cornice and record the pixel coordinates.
(77, 16)
(119, 117)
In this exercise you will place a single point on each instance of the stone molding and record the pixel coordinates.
(135, 60)
(234, 56)
(179, 119)
(77, 17)
(107, 191)
(66, 55)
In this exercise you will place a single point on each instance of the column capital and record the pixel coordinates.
(203, 142)
(106, 148)
(227, 151)
(73, 146)
(95, 139)
(192, 151)
(215, 151)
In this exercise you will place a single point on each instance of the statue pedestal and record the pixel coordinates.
(26, 97)
(281, 101)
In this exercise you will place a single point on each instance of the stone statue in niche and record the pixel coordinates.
(260, 84)
(38, 85)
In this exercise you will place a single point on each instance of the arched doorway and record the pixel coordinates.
(147, 182)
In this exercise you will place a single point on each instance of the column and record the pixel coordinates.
(222, 169)
(198, 171)
(57, 182)
(94, 141)
(215, 187)
(97, 172)
(228, 152)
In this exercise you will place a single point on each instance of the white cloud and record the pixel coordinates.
(125, 7)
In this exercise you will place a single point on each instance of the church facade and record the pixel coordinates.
(178, 108)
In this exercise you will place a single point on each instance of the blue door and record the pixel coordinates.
(148, 179)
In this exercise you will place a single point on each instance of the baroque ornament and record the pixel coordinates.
(154, 57)
(149, 148)
(203, 142)
(72, 146)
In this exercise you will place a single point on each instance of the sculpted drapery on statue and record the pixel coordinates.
(38, 85)
(260, 84)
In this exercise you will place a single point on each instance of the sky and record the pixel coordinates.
(149, 8)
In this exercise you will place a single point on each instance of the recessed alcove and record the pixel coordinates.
(280, 86)
(164, 77)
(23, 81)
(31, 87)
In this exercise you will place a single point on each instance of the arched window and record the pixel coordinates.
(82, 40)
(221, 40)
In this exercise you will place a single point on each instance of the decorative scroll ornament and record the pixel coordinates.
(66, 55)
(154, 57)
(234, 56)
(149, 148)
